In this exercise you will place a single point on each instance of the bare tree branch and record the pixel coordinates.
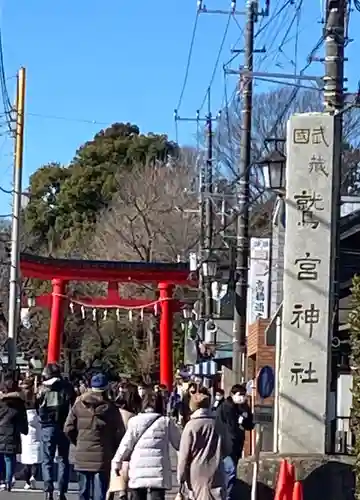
(149, 217)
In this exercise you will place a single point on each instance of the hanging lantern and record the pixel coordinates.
(71, 307)
(118, 314)
(94, 314)
(83, 314)
(130, 313)
(142, 314)
(105, 315)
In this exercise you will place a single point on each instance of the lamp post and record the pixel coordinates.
(209, 267)
(209, 272)
(274, 172)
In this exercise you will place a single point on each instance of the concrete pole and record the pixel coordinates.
(14, 285)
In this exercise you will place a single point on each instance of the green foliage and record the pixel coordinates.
(354, 320)
(178, 343)
(62, 218)
(65, 201)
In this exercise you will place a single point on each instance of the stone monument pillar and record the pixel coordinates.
(310, 242)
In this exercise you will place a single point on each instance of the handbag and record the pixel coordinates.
(127, 456)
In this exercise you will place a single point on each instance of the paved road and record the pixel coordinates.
(18, 492)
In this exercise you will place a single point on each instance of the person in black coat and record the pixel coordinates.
(184, 407)
(233, 418)
(219, 399)
(13, 423)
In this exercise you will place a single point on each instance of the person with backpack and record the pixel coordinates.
(54, 400)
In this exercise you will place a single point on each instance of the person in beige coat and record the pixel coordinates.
(199, 462)
(119, 483)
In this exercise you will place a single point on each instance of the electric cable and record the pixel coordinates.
(8, 108)
(217, 61)
(273, 17)
(296, 45)
(188, 63)
(68, 119)
(286, 107)
(282, 21)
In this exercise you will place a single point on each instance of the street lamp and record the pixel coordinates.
(274, 171)
(187, 311)
(209, 267)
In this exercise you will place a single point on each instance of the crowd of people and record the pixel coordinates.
(117, 436)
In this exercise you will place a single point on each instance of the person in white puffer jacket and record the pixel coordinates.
(145, 446)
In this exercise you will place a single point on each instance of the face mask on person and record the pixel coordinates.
(218, 397)
(239, 398)
(141, 392)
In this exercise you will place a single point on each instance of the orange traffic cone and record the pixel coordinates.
(297, 491)
(290, 480)
(282, 481)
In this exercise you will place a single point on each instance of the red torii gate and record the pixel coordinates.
(61, 271)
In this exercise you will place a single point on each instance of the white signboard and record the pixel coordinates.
(258, 292)
(307, 305)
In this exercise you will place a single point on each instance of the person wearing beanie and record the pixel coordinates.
(200, 464)
(99, 383)
(95, 427)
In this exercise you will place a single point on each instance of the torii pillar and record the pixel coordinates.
(56, 320)
(166, 335)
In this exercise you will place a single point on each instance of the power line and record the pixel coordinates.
(8, 108)
(188, 63)
(272, 18)
(217, 60)
(68, 119)
(287, 105)
(276, 31)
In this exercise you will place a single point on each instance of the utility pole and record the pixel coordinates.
(208, 213)
(334, 56)
(202, 296)
(336, 11)
(334, 104)
(243, 201)
(15, 233)
(206, 217)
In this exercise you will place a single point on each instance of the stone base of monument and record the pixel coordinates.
(324, 477)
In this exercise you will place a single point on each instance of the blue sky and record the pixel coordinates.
(124, 60)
